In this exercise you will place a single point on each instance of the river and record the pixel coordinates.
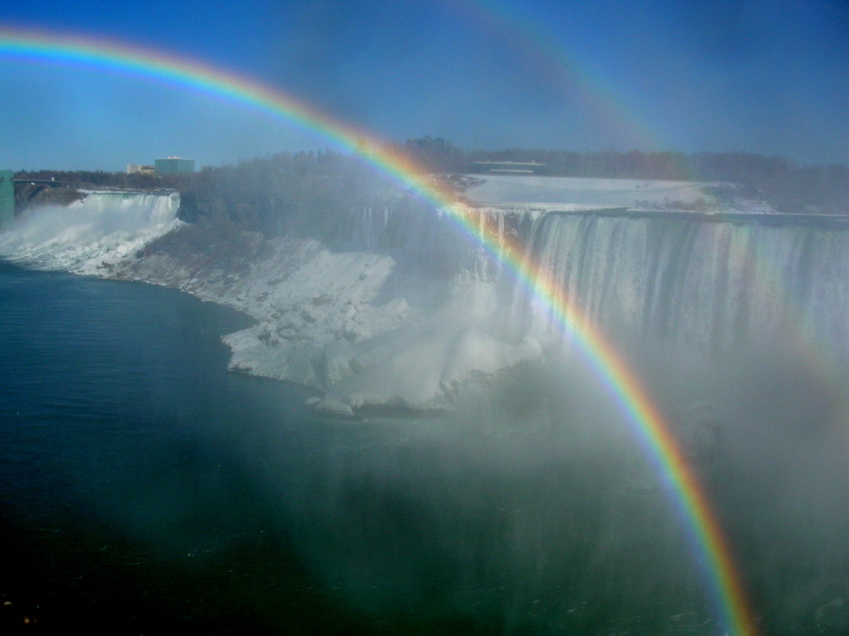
(145, 489)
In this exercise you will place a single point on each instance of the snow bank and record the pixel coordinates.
(585, 192)
(361, 326)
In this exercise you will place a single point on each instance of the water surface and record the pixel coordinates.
(145, 489)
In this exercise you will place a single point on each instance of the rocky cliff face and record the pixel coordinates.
(30, 196)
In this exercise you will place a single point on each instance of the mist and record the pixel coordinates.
(451, 460)
(532, 505)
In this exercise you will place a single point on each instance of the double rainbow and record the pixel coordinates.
(623, 385)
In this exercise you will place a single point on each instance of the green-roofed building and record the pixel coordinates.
(173, 165)
(7, 198)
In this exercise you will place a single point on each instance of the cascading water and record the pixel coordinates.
(92, 233)
(432, 240)
(141, 208)
(735, 325)
(697, 282)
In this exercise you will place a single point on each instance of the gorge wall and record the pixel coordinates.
(397, 305)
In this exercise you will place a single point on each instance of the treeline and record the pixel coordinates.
(290, 193)
(93, 179)
(305, 193)
(777, 181)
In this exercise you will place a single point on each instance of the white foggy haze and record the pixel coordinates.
(512, 478)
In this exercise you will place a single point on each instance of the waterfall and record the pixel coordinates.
(435, 240)
(131, 210)
(695, 281)
(92, 233)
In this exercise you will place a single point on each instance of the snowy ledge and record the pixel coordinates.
(361, 327)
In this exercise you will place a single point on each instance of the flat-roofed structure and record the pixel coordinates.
(137, 169)
(509, 167)
(173, 165)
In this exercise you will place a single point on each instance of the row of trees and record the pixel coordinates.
(93, 179)
(304, 193)
(290, 192)
(777, 181)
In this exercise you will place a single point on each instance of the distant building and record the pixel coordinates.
(173, 165)
(137, 169)
(509, 167)
(7, 198)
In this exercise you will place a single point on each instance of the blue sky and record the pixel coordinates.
(765, 76)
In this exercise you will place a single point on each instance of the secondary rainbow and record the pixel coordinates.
(552, 61)
(623, 385)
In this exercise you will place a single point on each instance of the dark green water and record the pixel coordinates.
(144, 489)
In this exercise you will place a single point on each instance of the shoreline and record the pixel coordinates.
(364, 328)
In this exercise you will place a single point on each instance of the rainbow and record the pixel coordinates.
(507, 23)
(553, 62)
(623, 385)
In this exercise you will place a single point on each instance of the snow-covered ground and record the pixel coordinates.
(360, 326)
(569, 194)
(584, 192)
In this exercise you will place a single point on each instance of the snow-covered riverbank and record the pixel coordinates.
(362, 326)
